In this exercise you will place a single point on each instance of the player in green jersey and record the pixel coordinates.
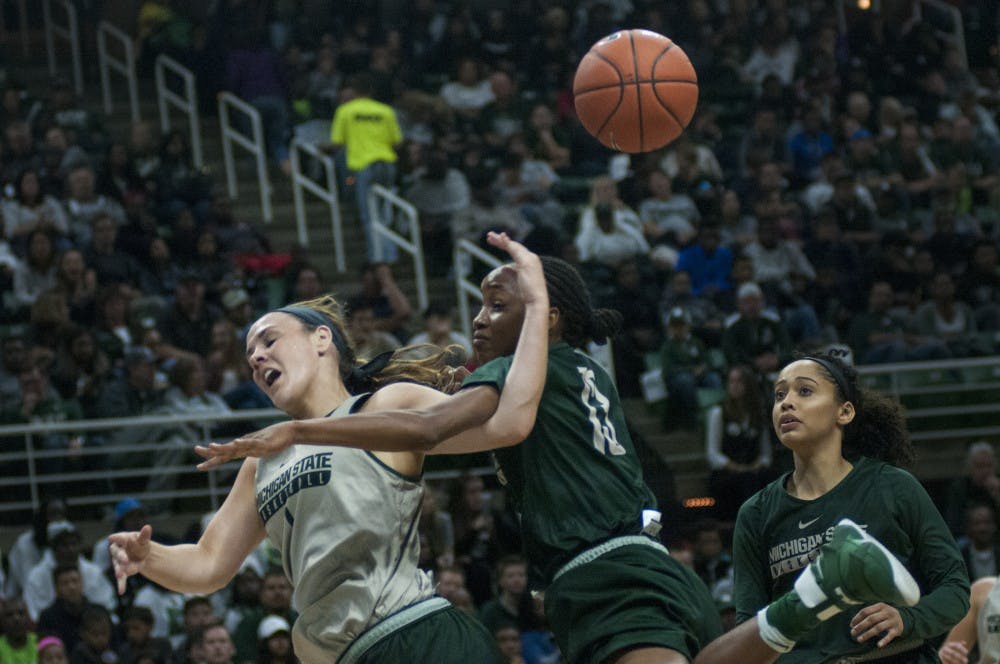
(847, 442)
(612, 593)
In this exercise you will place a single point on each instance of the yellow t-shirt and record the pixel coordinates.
(368, 130)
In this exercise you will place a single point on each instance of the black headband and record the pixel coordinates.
(359, 378)
(837, 374)
(316, 318)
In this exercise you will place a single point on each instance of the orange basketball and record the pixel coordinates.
(635, 90)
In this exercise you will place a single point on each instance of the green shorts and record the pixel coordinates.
(444, 635)
(630, 597)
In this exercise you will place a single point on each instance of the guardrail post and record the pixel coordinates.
(301, 182)
(125, 67)
(71, 32)
(463, 254)
(29, 447)
(255, 146)
(381, 199)
(187, 103)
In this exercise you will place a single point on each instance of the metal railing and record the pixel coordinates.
(186, 102)
(214, 483)
(942, 380)
(464, 254)
(253, 144)
(164, 426)
(70, 31)
(125, 66)
(383, 207)
(939, 12)
(302, 182)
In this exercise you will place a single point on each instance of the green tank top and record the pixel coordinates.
(575, 481)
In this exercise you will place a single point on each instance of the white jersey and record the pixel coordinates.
(346, 527)
(988, 628)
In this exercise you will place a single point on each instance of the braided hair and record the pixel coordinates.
(580, 321)
(878, 429)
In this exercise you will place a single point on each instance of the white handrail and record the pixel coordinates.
(70, 32)
(382, 207)
(187, 102)
(464, 252)
(957, 35)
(125, 67)
(302, 182)
(253, 145)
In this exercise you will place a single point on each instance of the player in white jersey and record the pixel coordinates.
(344, 520)
(980, 626)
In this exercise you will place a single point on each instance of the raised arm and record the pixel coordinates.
(408, 417)
(200, 568)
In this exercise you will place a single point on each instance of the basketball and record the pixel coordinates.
(635, 91)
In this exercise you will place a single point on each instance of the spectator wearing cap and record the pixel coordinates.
(275, 642)
(686, 368)
(51, 650)
(18, 644)
(188, 323)
(65, 543)
(755, 336)
(238, 310)
(275, 600)
(129, 514)
(706, 319)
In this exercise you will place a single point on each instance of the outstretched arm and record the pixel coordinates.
(408, 417)
(200, 568)
(962, 637)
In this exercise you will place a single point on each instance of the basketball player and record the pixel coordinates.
(980, 625)
(612, 592)
(344, 520)
(846, 442)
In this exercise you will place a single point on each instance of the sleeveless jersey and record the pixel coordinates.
(575, 480)
(988, 628)
(345, 525)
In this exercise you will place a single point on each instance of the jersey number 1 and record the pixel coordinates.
(597, 405)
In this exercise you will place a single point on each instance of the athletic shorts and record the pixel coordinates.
(443, 636)
(627, 598)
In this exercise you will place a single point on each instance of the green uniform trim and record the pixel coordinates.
(384, 628)
(610, 545)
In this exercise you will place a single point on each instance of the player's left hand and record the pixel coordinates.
(266, 442)
(877, 619)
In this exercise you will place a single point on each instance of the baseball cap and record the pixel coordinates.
(234, 297)
(48, 642)
(57, 528)
(860, 134)
(272, 625)
(679, 315)
(749, 289)
(126, 505)
(137, 355)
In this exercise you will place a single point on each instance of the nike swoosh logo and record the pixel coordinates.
(808, 523)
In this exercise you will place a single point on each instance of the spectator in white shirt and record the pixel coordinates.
(608, 239)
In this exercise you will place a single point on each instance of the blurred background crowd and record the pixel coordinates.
(839, 185)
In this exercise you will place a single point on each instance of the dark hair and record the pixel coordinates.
(878, 429)
(568, 293)
(751, 407)
(508, 561)
(197, 600)
(438, 308)
(59, 570)
(198, 636)
(141, 613)
(94, 614)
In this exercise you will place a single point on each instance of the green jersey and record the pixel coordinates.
(777, 535)
(575, 480)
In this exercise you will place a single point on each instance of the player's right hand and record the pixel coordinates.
(128, 551)
(954, 652)
(264, 443)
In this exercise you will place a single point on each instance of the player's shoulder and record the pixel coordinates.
(402, 395)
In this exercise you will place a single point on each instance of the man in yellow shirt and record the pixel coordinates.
(369, 133)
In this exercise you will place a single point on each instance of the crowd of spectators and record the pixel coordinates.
(839, 184)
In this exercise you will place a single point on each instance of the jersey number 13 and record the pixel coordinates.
(604, 437)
